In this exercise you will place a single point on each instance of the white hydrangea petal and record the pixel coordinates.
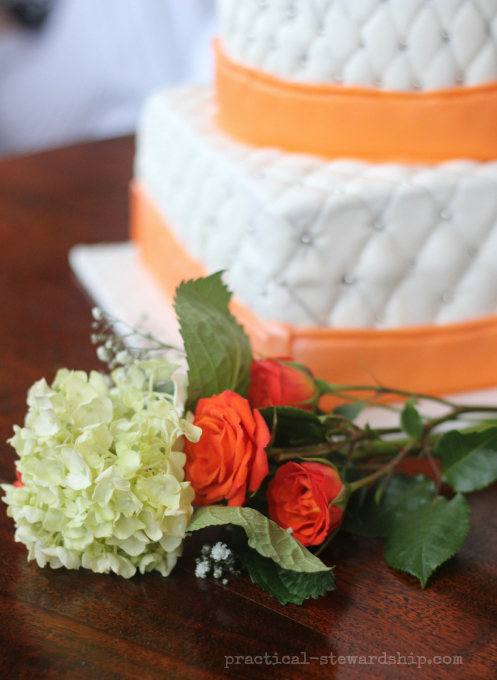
(191, 432)
(107, 514)
(74, 461)
(158, 370)
(103, 530)
(175, 525)
(54, 520)
(180, 381)
(46, 424)
(99, 383)
(125, 567)
(39, 389)
(80, 476)
(136, 377)
(25, 533)
(77, 482)
(170, 543)
(46, 496)
(133, 398)
(33, 515)
(127, 503)
(109, 472)
(101, 564)
(67, 558)
(43, 404)
(103, 492)
(98, 410)
(162, 490)
(135, 545)
(79, 543)
(15, 495)
(129, 462)
(126, 527)
(150, 559)
(49, 472)
(153, 531)
(40, 556)
(95, 436)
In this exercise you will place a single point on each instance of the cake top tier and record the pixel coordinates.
(400, 45)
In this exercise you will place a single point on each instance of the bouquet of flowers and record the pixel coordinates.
(111, 465)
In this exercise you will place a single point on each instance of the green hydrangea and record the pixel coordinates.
(102, 467)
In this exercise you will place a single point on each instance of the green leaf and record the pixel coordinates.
(410, 420)
(469, 461)
(422, 541)
(287, 586)
(264, 535)
(349, 411)
(294, 426)
(402, 495)
(217, 349)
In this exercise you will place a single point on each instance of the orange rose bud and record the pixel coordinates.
(231, 452)
(300, 498)
(19, 482)
(277, 382)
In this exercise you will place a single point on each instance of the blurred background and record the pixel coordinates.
(79, 70)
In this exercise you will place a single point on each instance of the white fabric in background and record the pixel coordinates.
(86, 73)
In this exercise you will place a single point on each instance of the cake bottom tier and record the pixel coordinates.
(331, 244)
(432, 359)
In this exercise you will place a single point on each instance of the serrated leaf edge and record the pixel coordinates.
(424, 580)
(206, 517)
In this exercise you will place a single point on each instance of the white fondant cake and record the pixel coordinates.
(387, 44)
(330, 243)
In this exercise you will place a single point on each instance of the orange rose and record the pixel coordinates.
(19, 481)
(231, 452)
(299, 499)
(278, 382)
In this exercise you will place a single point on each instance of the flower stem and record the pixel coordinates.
(326, 542)
(385, 469)
(380, 390)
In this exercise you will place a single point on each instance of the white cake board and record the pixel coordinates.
(119, 284)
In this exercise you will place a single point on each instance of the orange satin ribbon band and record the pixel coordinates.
(430, 359)
(350, 122)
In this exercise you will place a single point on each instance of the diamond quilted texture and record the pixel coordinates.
(306, 241)
(407, 45)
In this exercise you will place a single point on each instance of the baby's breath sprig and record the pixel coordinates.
(218, 560)
(122, 349)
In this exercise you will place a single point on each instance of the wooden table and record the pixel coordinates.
(74, 625)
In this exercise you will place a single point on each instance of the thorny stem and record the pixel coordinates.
(368, 402)
(282, 455)
(380, 390)
(388, 468)
(376, 447)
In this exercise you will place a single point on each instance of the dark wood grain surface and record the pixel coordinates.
(79, 625)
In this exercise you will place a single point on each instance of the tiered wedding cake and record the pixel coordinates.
(342, 175)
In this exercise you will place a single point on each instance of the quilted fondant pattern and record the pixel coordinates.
(388, 44)
(310, 242)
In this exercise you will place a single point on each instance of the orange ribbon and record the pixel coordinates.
(351, 122)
